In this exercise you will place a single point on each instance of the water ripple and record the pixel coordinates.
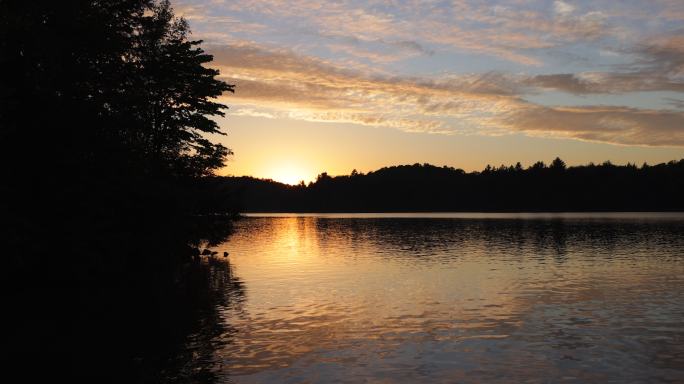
(455, 299)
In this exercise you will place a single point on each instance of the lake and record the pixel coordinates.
(444, 298)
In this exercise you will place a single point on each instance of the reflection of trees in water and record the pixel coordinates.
(573, 320)
(428, 239)
(166, 323)
(211, 290)
(562, 324)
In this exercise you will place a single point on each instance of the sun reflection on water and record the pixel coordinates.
(409, 300)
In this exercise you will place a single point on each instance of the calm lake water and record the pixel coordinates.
(447, 298)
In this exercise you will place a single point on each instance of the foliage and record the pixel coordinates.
(175, 94)
(417, 187)
(105, 110)
(111, 84)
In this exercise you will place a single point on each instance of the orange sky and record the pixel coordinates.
(336, 86)
(294, 150)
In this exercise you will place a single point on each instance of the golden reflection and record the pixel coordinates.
(343, 292)
(291, 239)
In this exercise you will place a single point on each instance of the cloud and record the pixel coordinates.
(562, 8)
(220, 27)
(659, 67)
(672, 10)
(663, 53)
(248, 111)
(618, 125)
(606, 82)
(364, 77)
(506, 32)
(376, 55)
(675, 103)
(279, 82)
(509, 32)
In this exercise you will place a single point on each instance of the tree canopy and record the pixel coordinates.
(89, 83)
(424, 187)
(107, 135)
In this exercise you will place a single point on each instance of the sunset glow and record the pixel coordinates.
(361, 85)
(288, 173)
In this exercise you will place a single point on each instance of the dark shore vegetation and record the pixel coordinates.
(427, 188)
(105, 108)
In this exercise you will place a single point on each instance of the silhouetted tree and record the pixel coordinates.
(93, 84)
(104, 108)
(538, 165)
(429, 188)
(176, 94)
(322, 177)
(557, 164)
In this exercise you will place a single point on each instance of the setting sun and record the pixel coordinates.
(290, 173)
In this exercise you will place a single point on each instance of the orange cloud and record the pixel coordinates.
(283, 83)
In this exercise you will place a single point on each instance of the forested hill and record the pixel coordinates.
(417, 187)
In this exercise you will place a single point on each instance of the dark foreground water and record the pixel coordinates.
(445, 298)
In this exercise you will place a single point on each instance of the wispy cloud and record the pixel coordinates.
(659, 67)
(311, 89)
(406, 64)
(617, 125)
(507, 32)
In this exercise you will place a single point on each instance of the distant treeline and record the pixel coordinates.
(424, 188)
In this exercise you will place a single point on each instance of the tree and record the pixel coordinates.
(104, 105)
(323, 177)
(95, 86)
(538, 165)
(558, 164)
(177, 92)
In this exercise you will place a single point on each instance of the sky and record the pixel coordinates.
(343, 85)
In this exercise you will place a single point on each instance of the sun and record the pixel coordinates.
(289, 178)
(289, 174)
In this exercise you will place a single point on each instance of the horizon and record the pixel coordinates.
(338, 86)
(524, 166)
